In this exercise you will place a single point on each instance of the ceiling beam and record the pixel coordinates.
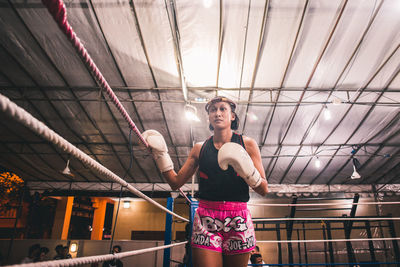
(314, 190)
(260, 50)
(196, 89)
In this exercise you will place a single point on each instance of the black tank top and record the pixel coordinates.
(216, 184)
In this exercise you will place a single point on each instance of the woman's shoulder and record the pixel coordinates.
(196, 149)
(250, 144)
(199, 144)
(249, 140)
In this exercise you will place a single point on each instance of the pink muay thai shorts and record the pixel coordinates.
(224, 227)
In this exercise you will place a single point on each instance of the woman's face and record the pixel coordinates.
(220, 115)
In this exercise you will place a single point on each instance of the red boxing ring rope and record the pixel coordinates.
(58, 10)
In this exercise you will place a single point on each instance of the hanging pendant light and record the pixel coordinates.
(67, 171)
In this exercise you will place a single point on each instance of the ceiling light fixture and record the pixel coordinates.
(73, 248)
(207, 3)
(317, 163)
(191, 113)
(336, 101)
(327, 113)
(127, 204)
(200, 99)
(356, 166)
(67, 171)
(252, 116)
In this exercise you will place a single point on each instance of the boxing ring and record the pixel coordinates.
(58, 11)
(38, 127)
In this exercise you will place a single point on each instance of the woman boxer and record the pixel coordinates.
(228, 163)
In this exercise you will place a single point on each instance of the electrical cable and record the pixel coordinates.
(116, 219)
(120, 192)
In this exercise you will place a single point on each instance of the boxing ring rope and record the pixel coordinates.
(327, 219)
(41, 129)
(93, 259)
(326, 264)
(323, 204)
(330, 240)
(58, 11)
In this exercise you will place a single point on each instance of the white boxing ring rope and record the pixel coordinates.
(327, 219)
(323, 204)
(93, 259)
(330, 240)
(41, 129)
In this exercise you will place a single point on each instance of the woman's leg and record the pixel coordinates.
(238, 260)
(206, 258)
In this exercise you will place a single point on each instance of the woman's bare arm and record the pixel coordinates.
(255, 155)
(176, 180)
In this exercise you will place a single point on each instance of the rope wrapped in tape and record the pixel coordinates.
(93, 259)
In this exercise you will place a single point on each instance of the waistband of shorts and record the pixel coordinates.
(222, 205)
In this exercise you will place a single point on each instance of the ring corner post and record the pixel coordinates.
(193, 206)
(168, 232)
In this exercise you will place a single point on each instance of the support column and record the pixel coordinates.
(305, 244)
(394, 242)
(348, 225)
(370, 242)
(99, 205)
(62, 218)
(278, 237)
(325, 243)
(289, 230)
(330, 245)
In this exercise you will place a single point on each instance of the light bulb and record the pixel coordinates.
(327, 114)
(207, 3)
(252, 116)
(201, 99)
(317, 163)
(337, 101)
(73, 248)
(191, 116)
(191, 113)
(127, 204)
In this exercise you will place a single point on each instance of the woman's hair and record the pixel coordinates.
(234, 124)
